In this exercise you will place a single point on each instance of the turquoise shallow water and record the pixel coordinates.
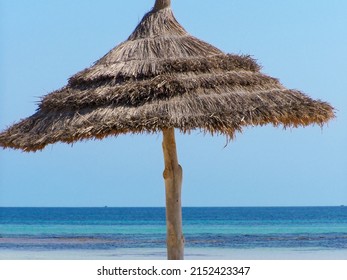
(50, 229)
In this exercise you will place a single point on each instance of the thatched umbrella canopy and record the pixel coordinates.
(160, 79)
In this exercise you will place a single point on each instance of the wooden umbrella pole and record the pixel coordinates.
(173, 186)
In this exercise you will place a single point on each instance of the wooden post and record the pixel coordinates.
(173, 186)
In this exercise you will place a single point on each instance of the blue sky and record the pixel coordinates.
(303, 43)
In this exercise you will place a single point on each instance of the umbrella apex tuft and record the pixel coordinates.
(161, 4)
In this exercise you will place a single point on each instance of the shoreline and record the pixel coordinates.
(190, 254)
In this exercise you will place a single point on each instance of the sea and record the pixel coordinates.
(140, 233)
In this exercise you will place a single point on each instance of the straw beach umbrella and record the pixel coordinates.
(159, 80)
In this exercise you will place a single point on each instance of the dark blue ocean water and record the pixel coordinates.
(110, 228)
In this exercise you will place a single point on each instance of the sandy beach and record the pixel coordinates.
(190, 254)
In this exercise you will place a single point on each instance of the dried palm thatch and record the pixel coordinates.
(162, 77)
